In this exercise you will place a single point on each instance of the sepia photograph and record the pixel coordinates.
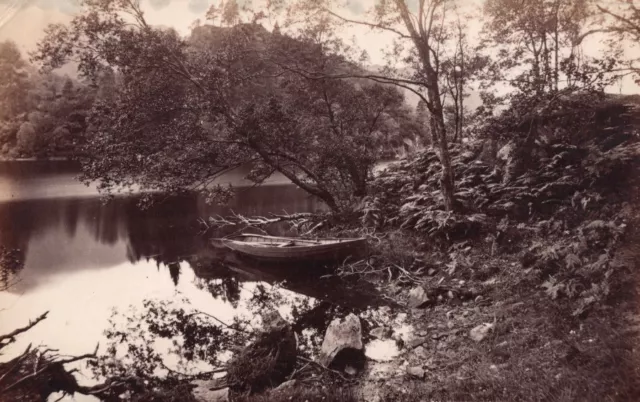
(319, 200)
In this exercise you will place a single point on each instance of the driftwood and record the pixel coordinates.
(10, 337)
(38, 372)
(300, 222)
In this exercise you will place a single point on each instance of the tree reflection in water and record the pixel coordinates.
(168, 234)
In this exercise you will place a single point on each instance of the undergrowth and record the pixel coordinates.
(310, 393)
(541, 254)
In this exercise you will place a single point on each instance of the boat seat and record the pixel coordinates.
(287, 244)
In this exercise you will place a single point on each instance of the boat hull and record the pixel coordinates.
(325, 250)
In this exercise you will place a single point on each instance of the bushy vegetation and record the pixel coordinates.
(568, 165)
(544, 251)
(41, 115)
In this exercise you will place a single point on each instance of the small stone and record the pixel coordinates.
(285, 386)
(481, 331)
(414, 343)
(420, 352)
(351, 370)
(415, 371)
(204, 393)
(417, 297)
(431, 271)
(381, 332)
(450, 294)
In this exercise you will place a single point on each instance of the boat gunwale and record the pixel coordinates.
(323, 250)
(338, 240)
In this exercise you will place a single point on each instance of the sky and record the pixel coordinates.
(24, 21)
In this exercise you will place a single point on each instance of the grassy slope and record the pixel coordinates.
(558, 282)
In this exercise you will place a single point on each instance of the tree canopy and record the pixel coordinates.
(187, 110)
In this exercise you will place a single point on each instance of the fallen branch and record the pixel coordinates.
(49, 363)
(339, 374)
(196, 375)
(15, 363)
(10, 337)
(216, 319)
(101, 390)
(82, 357)
(297, 221)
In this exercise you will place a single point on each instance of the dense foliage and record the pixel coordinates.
(563, 159)
(42, 115)
(187, 110)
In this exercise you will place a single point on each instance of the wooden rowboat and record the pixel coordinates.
(287, 249)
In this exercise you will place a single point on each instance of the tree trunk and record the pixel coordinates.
(556, 44)
(420, 38)
(315, 190)
(547, 62)
(440, 139)
(461, 79)
(447, 179)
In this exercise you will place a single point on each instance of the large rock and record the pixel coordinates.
(343, 339)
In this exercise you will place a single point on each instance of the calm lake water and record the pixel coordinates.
(80, 259)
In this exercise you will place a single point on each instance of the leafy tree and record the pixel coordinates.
(14, 88)
(620, 19)
(544, 36)
(463, 65)
(421, 36)
(189, 110)
(55, 110)
(14, 81)
(26, 137)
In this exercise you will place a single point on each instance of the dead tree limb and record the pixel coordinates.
(299, 221)
(10, 337)
(15, 363)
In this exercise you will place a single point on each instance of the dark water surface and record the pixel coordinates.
(80, 259)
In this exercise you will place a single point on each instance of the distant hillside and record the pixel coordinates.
(26, 29)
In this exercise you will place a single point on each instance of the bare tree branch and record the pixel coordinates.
(10, 337)
(368, 24)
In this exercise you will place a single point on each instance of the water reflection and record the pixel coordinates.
(81, 258)
(67, 234)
